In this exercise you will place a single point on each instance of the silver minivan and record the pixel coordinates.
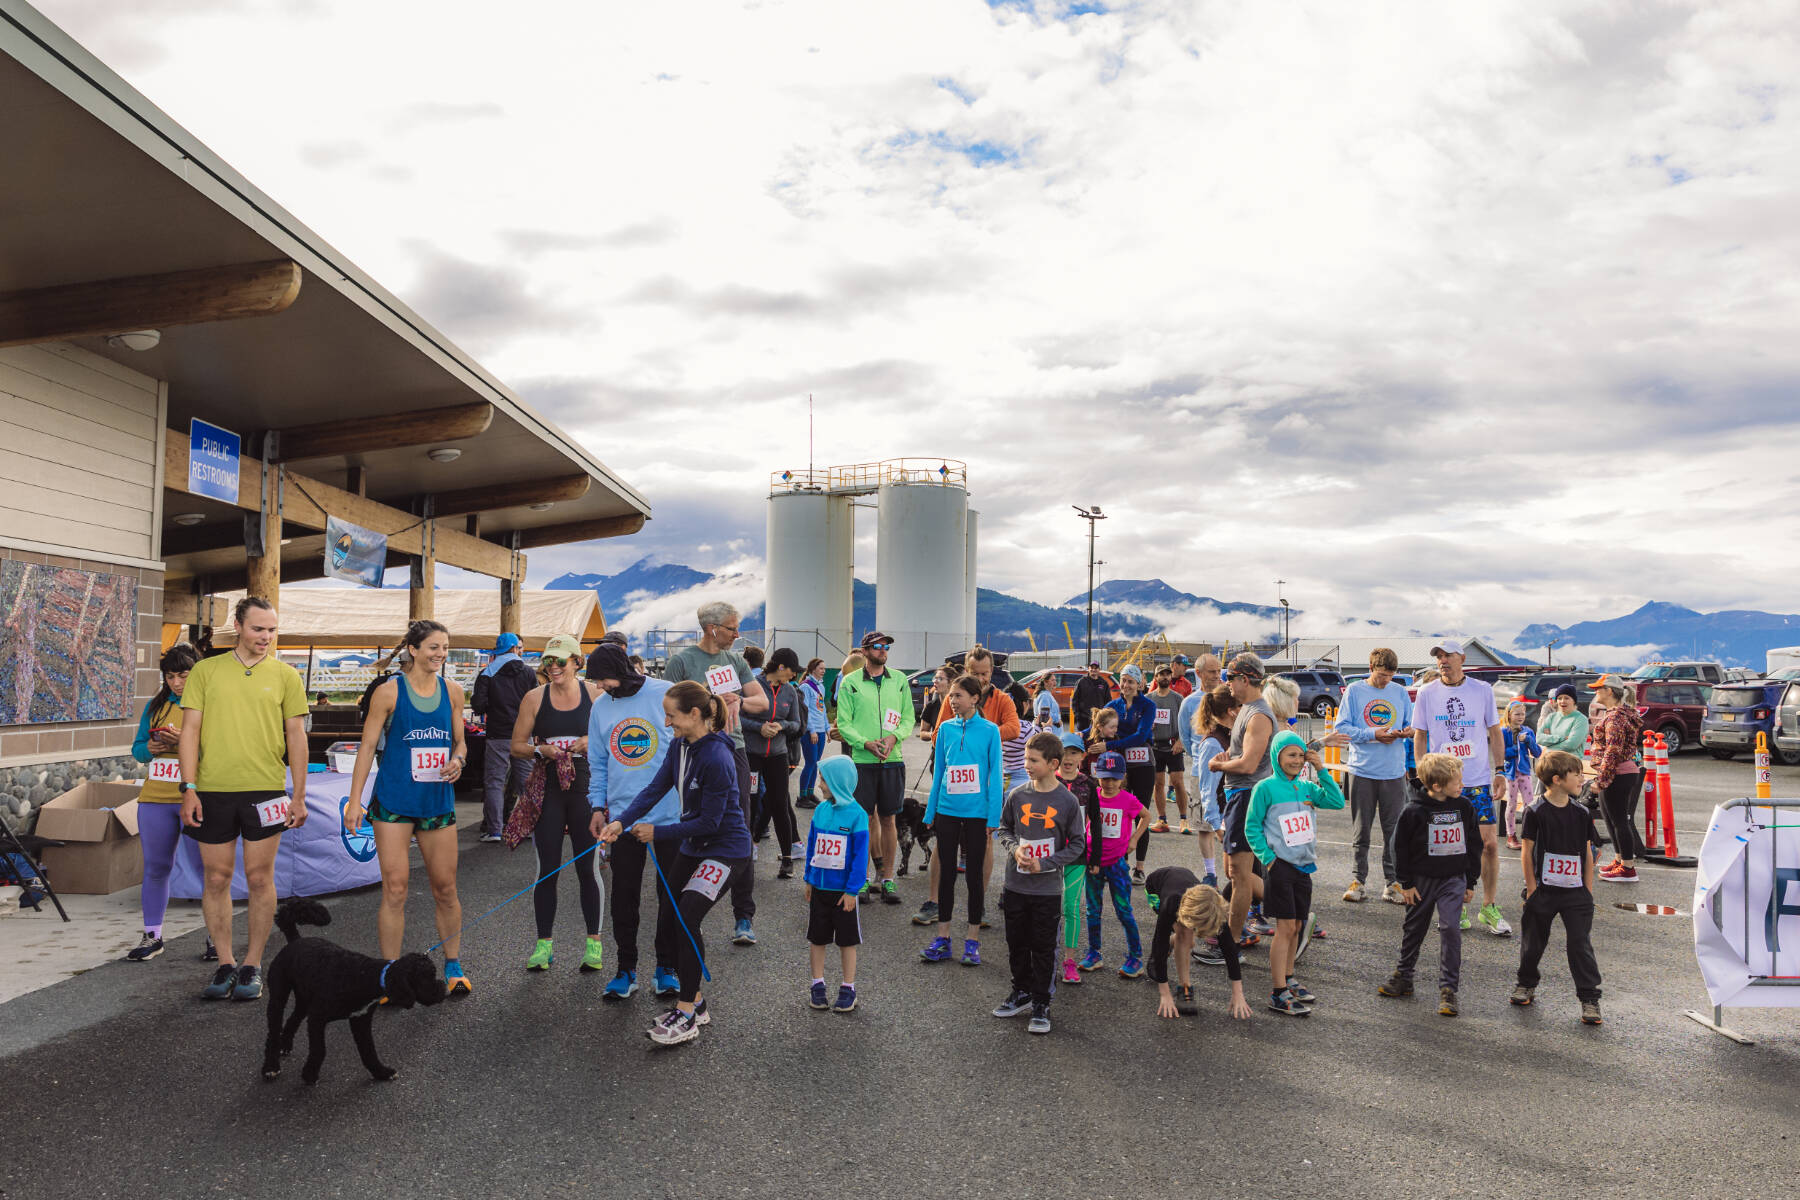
(1787, 723)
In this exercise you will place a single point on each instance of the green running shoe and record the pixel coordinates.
(541, 956)
(1465, 917)
(591, 960)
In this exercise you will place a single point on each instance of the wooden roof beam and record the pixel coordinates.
(55, 314)
(509, 495)
(580, 531)
(421, 427)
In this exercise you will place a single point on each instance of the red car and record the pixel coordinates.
(1062, 686)
(1673, 708)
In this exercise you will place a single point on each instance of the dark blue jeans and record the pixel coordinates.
(812, 747)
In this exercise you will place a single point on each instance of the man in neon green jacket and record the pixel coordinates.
(874, 718)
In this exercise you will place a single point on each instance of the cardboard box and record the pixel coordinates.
(99, 823)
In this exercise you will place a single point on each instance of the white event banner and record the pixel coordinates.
(1747, 907)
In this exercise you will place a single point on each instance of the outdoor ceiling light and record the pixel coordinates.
(539, 507)
(188, 518)
(137, 339)
(444, 454)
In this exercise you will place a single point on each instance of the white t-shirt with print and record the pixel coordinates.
(1456, 721)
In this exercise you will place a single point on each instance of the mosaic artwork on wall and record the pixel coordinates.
(68, 645)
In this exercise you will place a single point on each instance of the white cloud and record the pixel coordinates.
(739, 584)
(1450, 317)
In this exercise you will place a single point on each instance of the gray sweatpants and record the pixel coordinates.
(497, 764)
(1444, 899)
(1368, 799)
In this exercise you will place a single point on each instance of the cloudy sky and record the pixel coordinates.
(1453, 316)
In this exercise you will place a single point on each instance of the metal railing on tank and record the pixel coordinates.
(862, 479)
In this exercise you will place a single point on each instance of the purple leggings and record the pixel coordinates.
(159, 829)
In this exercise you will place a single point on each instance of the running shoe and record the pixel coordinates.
(806, 801)
(223, 980)
(1091, 961)
(1260, 924)
(1300, 992)
(1393, 894)
(846, 999)
(489, 837)
(1447, 1002)
(1159, 826)
(1492, 921)
(542, 955)
(1590, 1012)
(786, 868)
(1623, 875)
(592, 959)
(1137, 876)
(249, 984)
(682, 1027)
(456, 980)
(1463, 920)
(1523, 996)
(1248, 940)
(818, 997)
(1613, 867)
(1287, 1005)
(742, 934)
(211, 953)
(701, 1016)
(663, 1019)
(890, 892)
(1513, 843)
(1210, 879)
(1354, 893)
(1040, 1019)
(927, 914)
(1131, 968)
(937, 951)
(1014, 1004)
(1185, 1003)
(1070, 974)
(1208, 954)
(971, 955)
(667, 982)
(1184, 831)
(620, 987)
(147, 948)
(1397, 985)
(870, 890)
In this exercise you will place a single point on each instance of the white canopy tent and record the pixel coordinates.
(364, 618)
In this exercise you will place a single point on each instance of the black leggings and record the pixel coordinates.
(773, 803)
(1140, 781)
(1619, 802)
(565, 811)
(971, 835)
(693, 907)
(630, 863)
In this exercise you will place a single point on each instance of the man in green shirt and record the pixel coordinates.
(875, 717)
(243, 725)
(725, 674)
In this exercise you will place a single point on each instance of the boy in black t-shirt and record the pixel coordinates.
(1558, 860)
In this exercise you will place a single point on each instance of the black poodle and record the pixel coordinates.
(912, 831)
(330, 983)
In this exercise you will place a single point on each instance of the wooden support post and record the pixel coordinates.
(421, 599)
(512, 591)
(356, 481)
(263, 571)
(472, 525)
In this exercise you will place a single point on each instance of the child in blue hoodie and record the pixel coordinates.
(1280, 829)
(837, 862)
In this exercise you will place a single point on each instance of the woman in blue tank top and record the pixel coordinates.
(416, 718)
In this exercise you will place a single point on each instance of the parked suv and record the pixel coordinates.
(1320, 691)
(1787, 723)
(1736, 713)
(1537, 690)
(1676, 710)
(1703, 672)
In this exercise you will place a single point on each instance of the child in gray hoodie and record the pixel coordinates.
(1042, 830)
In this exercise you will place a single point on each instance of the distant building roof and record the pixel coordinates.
(1352, 654)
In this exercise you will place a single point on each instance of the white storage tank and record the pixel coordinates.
(811, 535)
(969, 628)
(921, 561)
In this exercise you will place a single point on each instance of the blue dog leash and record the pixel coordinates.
(676, 905)
(490, 912)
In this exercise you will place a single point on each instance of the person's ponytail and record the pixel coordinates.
(716, 713)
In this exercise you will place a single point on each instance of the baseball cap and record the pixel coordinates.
(615, 637)
(1072, 741)
(505, 642)
(871, 640)
(562, 646)
(1093, 666)
(1109, 766)
(1611, 683)
(1132, 672)
(1447, 645)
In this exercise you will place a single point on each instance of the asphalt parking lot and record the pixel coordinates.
(122, 1083)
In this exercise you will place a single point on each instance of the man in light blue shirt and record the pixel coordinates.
(1373, 721)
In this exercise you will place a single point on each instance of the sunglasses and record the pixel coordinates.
(556, 662)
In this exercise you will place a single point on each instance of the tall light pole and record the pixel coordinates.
(1090, 514)
(1287, 642)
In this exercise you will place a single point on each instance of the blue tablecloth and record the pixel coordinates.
(314, 860)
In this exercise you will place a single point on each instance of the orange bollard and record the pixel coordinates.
(1665, 794)
(1762, 766)
(1651, 790)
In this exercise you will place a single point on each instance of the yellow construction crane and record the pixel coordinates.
(1068, 635)
(1032, 640)
(1141, 653)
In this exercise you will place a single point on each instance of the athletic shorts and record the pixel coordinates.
(1481, 799)
(1168, 760)
(1287, 892)
(881, 788)
(419, 824)
(1210, 818)
(827, 921)
(227, 816)
(1237, 807)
